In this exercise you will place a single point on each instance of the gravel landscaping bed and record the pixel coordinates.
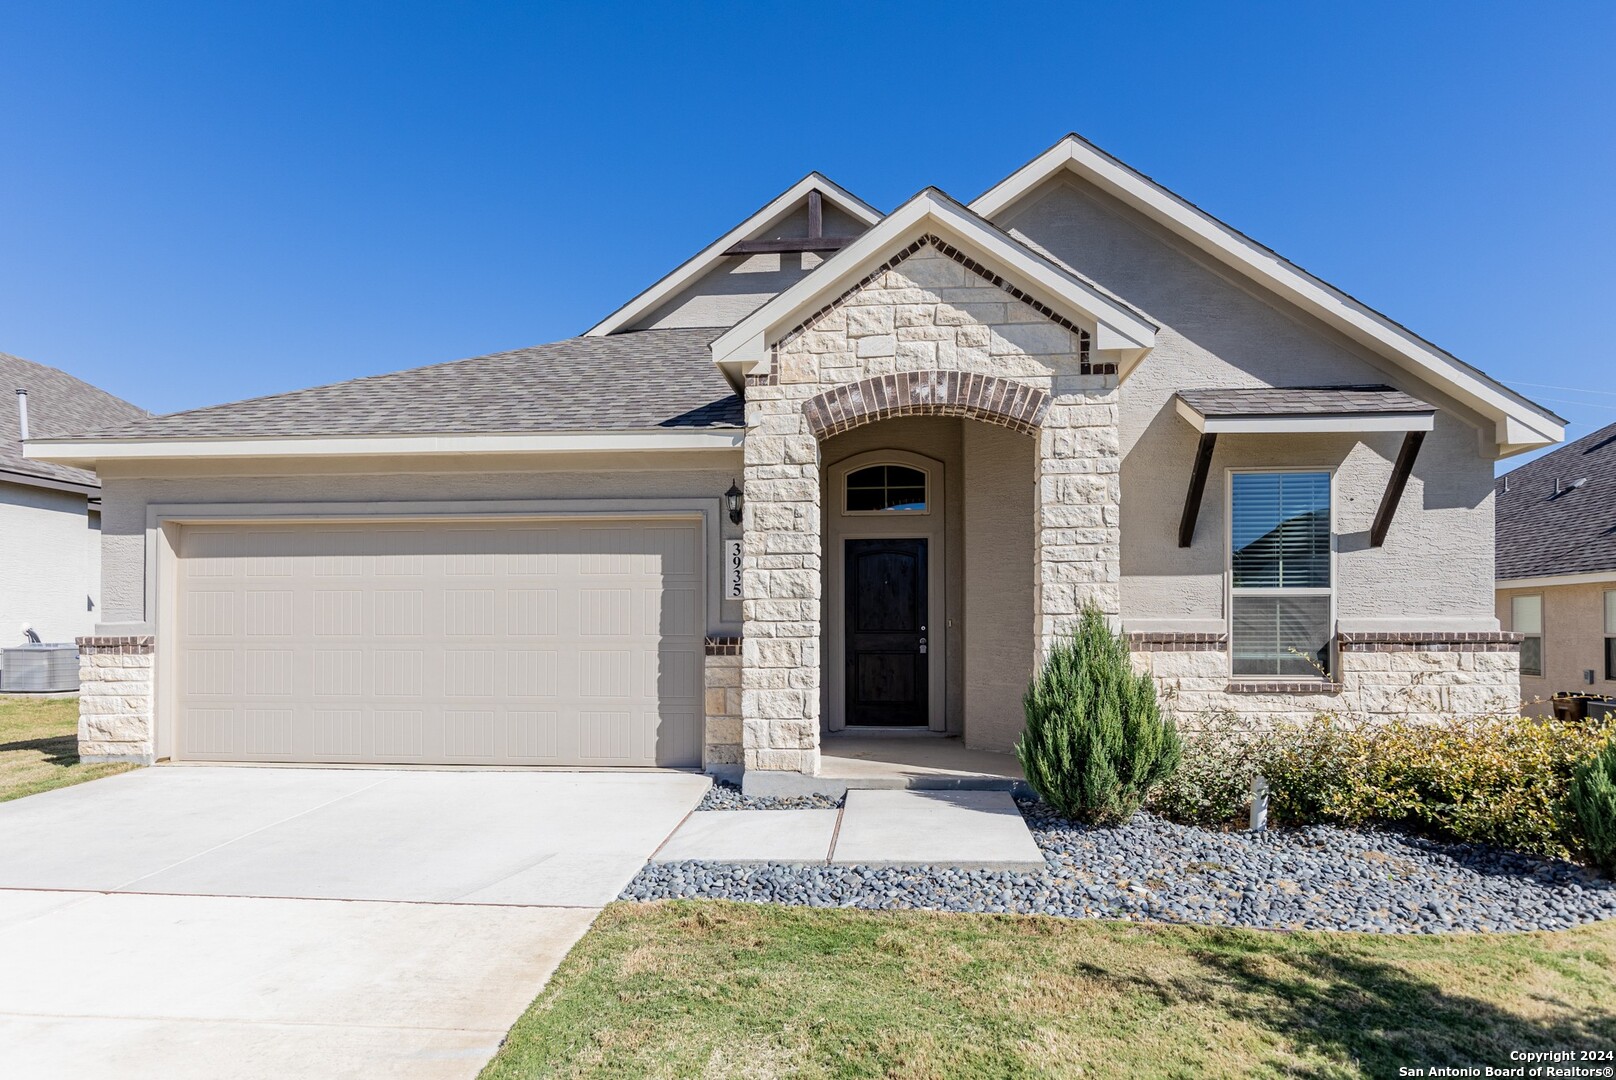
(724, 795)
(1316, 878)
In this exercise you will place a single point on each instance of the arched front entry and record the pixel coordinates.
(925, 337)
(886, 592)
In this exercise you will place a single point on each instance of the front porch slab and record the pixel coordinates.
(905, 761)
(752, 836)
(979, 830)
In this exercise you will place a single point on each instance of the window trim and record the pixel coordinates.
(1331, 674)
(884, 459)
(1606, 598)
(1541, 635)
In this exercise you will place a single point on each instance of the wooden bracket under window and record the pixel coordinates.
(1394, 487)
(1192, 500)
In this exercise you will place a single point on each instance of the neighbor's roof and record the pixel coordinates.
(56, 402)
(1304, 401)
(635, 381)
(1542, 534)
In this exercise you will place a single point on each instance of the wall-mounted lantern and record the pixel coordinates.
(732, 501)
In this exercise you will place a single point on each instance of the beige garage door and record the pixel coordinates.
(539, 643)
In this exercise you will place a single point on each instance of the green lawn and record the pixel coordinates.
(699, 988)
(39, 747)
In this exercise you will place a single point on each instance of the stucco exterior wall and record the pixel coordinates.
(739, 285)
(999, 520)
(125, 498)
(1573, 641)
(51, 571)
(1435, 570)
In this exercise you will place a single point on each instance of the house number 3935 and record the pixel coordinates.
(732, 569)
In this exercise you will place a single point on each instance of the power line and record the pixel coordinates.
(1548, 386)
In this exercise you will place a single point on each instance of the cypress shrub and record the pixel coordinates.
(1095, 741)
(1593, 800)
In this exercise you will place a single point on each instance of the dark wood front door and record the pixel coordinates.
(886, 632)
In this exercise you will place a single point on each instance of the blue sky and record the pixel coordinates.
(204, 202)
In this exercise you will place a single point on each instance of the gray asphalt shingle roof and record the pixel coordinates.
(1304, 401)
(57, 402)
(1540, 533)
(634, 381)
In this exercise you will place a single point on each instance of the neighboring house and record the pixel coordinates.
(50, 514)
(1557, 568)
(950, 427)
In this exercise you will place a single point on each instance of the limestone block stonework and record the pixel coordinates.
(115, 699)
(928, 333)
(721, 741)
(1428, 676)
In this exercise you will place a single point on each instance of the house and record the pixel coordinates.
(50, 514)
(1556, 522)
(841, 471)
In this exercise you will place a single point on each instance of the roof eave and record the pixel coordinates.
(87, 452)
(1522, 424)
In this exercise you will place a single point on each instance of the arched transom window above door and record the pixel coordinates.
(885, 489)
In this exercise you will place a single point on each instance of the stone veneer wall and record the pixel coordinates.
(930, 310)
(1421, 675)
(115, 699)
(721, 741)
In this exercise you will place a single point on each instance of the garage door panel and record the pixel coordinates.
(571, 643)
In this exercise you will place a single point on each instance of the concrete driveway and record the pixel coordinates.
(276, 922)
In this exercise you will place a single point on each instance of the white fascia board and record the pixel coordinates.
(704, 260)
(1117, 329)
(48, 483)
(1521, 424)
(1302, 424)
(1549, 581)
(82, 451)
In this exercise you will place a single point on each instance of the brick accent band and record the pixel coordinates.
(724, 645)
(1174, 641)
(1396, 641)
(116, 646)
(1301, 686)
(1005, 402)
(1432, 641)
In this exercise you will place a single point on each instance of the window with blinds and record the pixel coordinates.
(1526, 618)
(1281, 540)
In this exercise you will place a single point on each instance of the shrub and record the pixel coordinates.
(1212, 785)
(1593, 801)
(1501, 781)
(1095, 742)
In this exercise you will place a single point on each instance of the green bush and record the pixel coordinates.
(1593, 801)
(1212, 785)
(1502, 780)
(1095, 742)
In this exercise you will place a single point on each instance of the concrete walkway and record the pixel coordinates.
(965, 829)
(287, 922)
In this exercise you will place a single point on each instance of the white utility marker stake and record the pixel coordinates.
(1259, 804)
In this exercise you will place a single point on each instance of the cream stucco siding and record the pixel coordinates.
(1573, 641)
(1435, 570)
(52, 563)
(999, 518)
(580, 477)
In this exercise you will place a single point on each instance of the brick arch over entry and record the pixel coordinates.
(1005, 402)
